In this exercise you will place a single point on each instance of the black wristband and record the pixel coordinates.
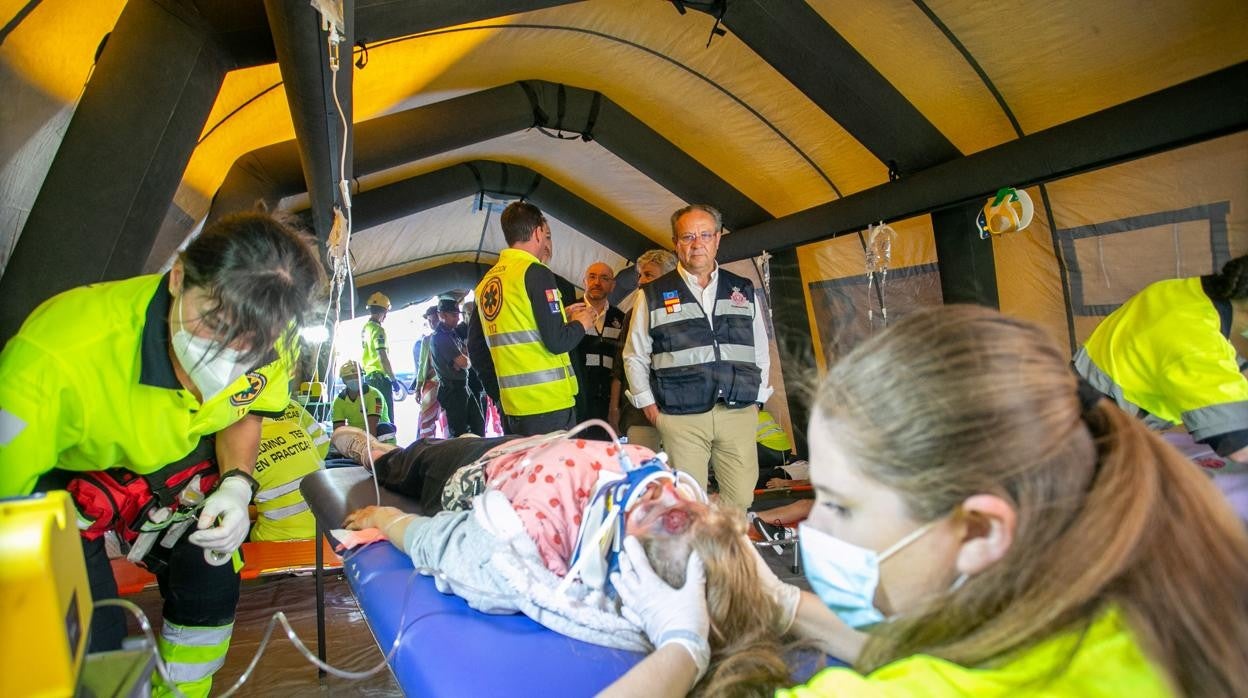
(251, 481)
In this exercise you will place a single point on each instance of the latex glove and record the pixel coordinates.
(223, 522)
(668, 615)
(785, 595)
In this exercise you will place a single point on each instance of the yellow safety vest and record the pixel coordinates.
(1164, 353)
(87, 384)
(290, 447)
(770, 434)
(1105, 661)
(531, 380)
(374, 340)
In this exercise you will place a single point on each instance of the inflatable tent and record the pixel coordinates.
(128, 125)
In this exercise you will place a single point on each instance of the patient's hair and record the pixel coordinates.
(746, 653)
(960, 400)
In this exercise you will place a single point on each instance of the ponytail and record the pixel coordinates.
(1181, 543)
(1232, 282)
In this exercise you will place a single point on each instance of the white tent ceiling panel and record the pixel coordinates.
(455, 229)
(583, 168)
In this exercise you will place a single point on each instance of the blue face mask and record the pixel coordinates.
(844, 576)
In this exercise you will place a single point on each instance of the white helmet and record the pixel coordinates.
(379, 300)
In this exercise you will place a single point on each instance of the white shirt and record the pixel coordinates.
(637, 349)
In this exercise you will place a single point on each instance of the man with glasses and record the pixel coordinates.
(697, 359)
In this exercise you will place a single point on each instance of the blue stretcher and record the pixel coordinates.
(449, 649)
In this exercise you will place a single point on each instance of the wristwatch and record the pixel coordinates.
(251, 481)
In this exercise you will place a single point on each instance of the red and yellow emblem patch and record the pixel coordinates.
(491, 299)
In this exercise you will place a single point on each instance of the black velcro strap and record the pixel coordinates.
(539, 117)
(561, 107)
(594, 106)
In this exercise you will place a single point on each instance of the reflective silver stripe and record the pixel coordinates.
(768, 430)
(1215, 420)
(736, 352)
(184, 672)
(683, 357)
(599, 360)
(1102, 382)
(193, 636)
(275, 492)
(550, 375)
(503, 339)
(610, 332)
(723, 307)
(285, 512)
(688, 311)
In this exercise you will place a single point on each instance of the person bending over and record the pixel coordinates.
(997, 531)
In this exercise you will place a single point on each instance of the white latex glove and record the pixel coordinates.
(221, 538)
(785, 595)
(668, 615)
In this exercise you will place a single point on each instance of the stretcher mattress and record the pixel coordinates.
(450, 649)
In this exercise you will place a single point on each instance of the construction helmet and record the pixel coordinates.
(379, 300)
(350, 369)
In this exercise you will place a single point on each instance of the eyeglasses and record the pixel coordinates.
(688, 238)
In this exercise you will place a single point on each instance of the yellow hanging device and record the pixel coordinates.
(45, 601)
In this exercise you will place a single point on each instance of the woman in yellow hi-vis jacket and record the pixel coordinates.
(984, 526)
(1173, 354)
(142, 395)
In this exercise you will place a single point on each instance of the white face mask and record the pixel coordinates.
(210, 369)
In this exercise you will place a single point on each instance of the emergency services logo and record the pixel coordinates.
(671, 302)
(491, 299)
(738, 298)
(255, 383)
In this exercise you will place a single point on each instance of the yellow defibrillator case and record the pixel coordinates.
(45, 601)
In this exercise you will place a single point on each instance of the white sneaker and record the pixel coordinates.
(356, 444)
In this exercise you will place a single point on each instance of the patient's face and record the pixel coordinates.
(663, 522)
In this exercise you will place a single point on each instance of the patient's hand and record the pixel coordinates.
(371, 517)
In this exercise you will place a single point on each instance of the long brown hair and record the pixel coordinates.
(746, 655)
(960, 400)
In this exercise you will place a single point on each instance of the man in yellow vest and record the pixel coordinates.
(527, 329)
(376, 357)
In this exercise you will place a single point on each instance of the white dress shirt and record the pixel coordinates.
(637, 349)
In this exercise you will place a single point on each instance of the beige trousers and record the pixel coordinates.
(722, 439)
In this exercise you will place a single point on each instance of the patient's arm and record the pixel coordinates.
(667, 671)
(390, 521)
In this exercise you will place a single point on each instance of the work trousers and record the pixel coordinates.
(721, 438)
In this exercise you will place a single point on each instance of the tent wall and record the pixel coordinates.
(1181, 213)
(841, 312)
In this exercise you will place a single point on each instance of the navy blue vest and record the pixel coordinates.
(693, 366)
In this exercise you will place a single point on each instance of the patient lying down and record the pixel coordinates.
(538, 541)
